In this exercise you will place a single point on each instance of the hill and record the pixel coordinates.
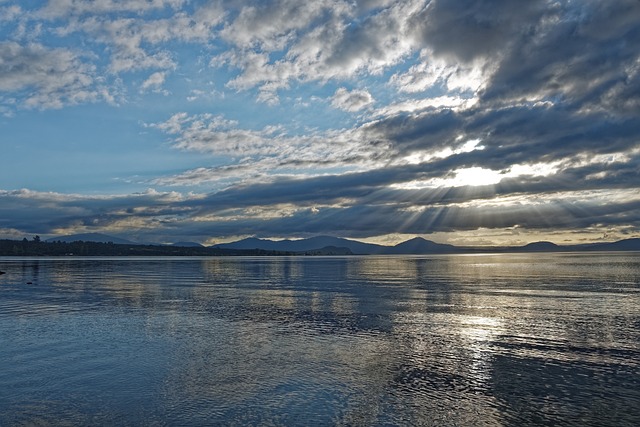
(419, 245)
(415, 246)
(621, 245)
(188, 244)
(304, 245)
(91, 244)
(91, 237)
(538, 247)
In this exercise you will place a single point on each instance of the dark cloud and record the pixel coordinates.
(45, 213)
(431, 129)
(465, 30)
(374, 187)
(363, 220)
(583, 55)
(522, 134)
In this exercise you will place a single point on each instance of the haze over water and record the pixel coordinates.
(527, 339)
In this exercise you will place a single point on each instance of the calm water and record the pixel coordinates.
(535, 339)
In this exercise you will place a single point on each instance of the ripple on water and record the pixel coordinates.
(346, 341)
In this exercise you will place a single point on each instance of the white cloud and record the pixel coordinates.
(340, 46)
(433, 72)
(154, 82)
(50, 78)
(10, 13)
(415, 105)
(216, 135)
(273, 25)
(61, 8)
(137, 43)
(351, 101)
(251, 155)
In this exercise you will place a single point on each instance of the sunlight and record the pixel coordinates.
(418, 157)
(478, 176)
(473, 176)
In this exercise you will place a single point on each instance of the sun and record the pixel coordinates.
(477, 176)
(474, 176)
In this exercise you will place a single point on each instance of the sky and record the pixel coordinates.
(483, 122)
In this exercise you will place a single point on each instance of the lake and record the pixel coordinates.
(507, 339)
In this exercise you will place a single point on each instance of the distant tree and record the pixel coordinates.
(25, 240)
(36, 239)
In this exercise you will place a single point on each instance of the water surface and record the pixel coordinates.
(527, 339)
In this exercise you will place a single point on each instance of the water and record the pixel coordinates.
(527, 339)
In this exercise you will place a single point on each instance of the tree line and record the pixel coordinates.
(36, 247)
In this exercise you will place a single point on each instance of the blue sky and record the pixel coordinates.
(466, 122)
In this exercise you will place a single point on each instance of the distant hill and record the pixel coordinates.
(621, 245)
(320, 245)
(188, 245)
(302, 245)
(419, 245)
(416, 246)
(538, 247)
(91, 237)
(413, 246)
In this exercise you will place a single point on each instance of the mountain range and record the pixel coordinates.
(414, 246)
(417, 246)
(337, 245)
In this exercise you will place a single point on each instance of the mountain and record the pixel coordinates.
(328, 244)
(91, 237)
(249, 243)
(302, 245)
(415, 246)
(419, 245)
(188, 244)
(538, 247)
(621, 245)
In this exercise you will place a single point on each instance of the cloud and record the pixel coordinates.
(137, 44)
(538, 100)
(62, 76)
(339, 46)
(153, 82)
(433, 72)
(9, 13)
(272, 25)
(268, 149)
(356, 205)
(467, 30)
(351, 101)
(48, 78)
(574, 55)
(134, 35)
(56, 9)
(48, 213)
(377, 186)
(217, 135)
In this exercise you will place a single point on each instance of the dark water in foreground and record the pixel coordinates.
(535, 339)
